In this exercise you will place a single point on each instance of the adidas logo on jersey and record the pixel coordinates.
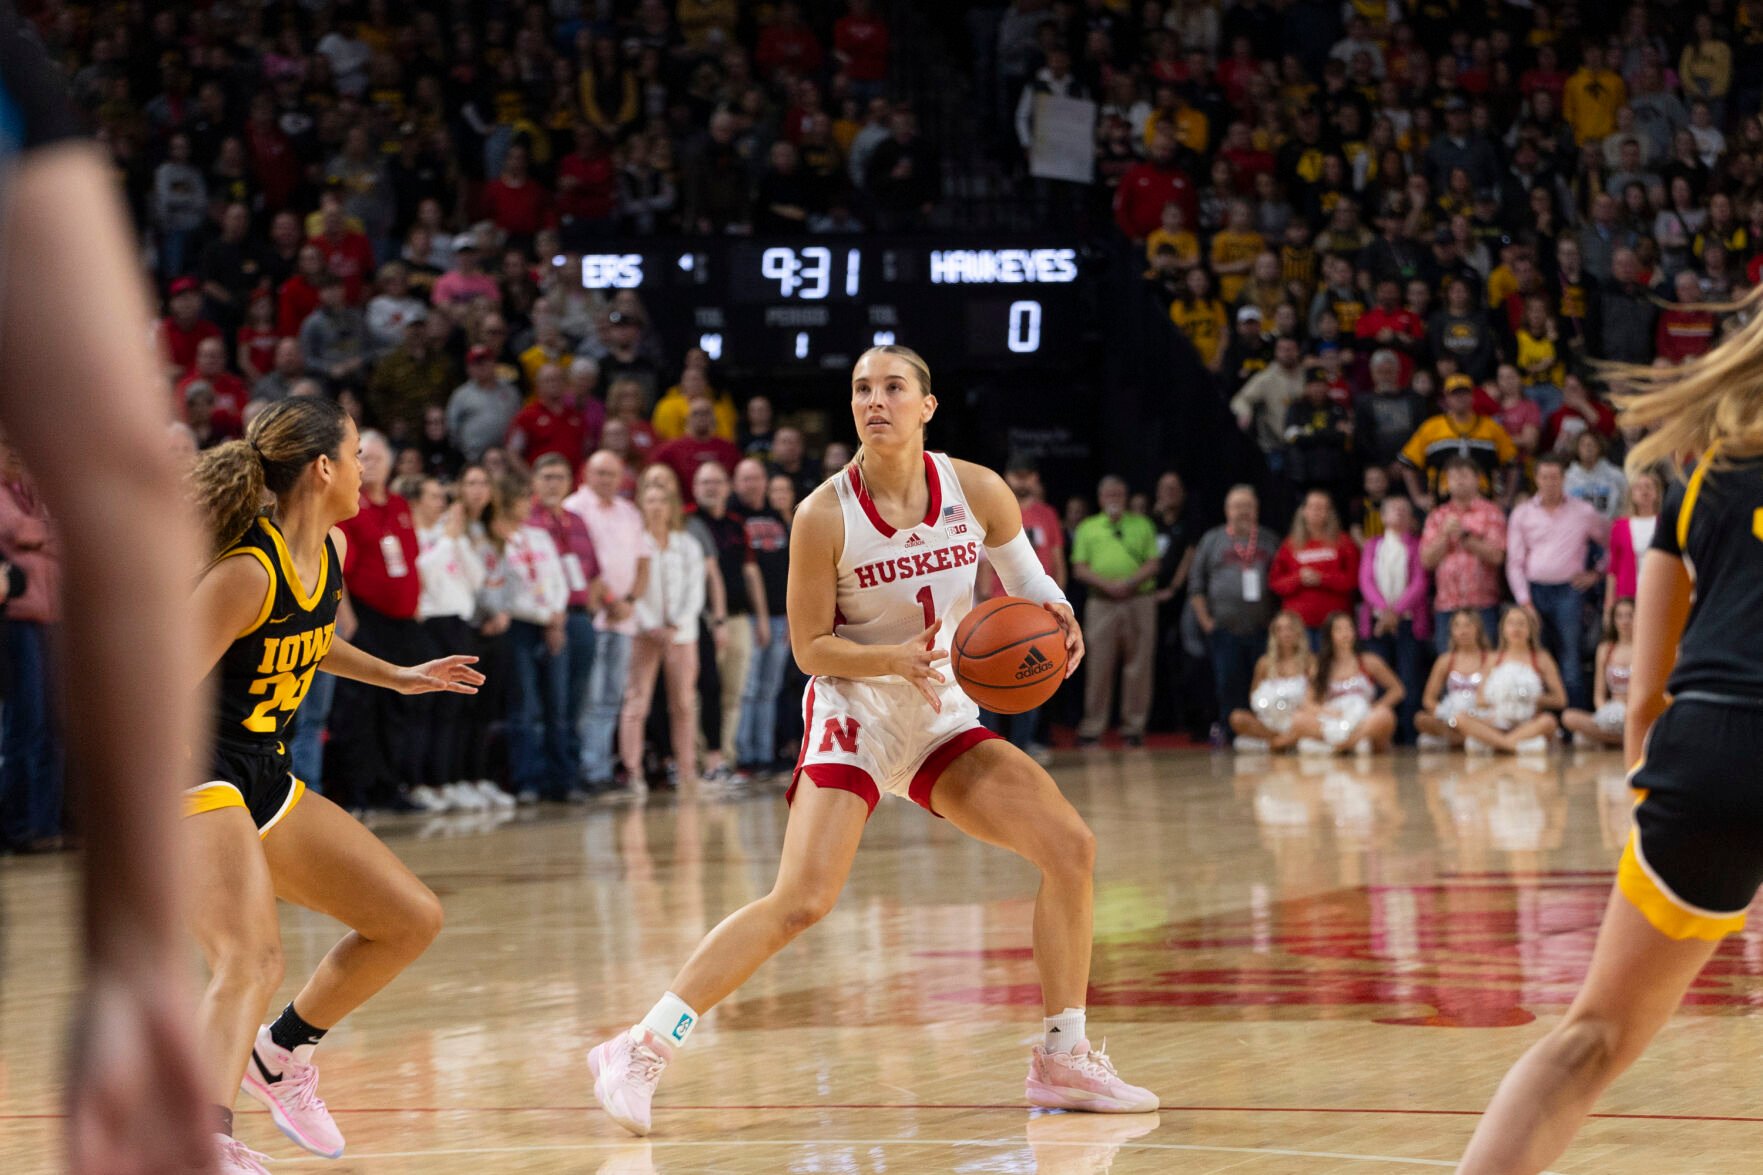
(1033, 665)
(914, 541)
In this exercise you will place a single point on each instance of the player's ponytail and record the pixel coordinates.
(1714, 399)
(233, 481)
(920, 371)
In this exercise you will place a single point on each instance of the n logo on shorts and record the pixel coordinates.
(845, 735)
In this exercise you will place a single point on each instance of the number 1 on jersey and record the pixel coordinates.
(929, 603)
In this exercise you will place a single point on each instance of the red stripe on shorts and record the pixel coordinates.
(938, 761)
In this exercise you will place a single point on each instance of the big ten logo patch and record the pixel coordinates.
(842, 731)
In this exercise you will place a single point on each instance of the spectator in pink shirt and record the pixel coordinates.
(466, 281)
(1394, 621)
(616, 528)
(1630, 536)
(1463, 545)
(1548, 548)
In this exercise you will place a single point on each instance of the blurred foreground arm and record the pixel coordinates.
(82, 399)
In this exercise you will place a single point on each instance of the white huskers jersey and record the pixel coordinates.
(879, 734)
(893, 583)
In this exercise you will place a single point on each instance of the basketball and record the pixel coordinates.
(1009, 655)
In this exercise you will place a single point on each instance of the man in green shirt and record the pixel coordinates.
(1115, 553)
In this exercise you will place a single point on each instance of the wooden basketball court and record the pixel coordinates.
(1321, 967)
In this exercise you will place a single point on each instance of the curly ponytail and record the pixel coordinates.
(230, 482)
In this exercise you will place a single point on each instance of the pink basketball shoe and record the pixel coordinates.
(626, 1070)
(288, 1089)
(1083, 1079)
(238, 1159)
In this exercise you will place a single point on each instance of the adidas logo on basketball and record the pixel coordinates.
(914, 541)
(1033, 665)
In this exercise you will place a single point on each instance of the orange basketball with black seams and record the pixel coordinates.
(1009, 655)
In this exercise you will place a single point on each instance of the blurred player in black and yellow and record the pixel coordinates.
(266, 621)
(1695, 734)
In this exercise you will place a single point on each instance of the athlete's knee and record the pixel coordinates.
(421, 917)
(253, 964)
(1588, 1042)
(800, 908)
(1068, 849)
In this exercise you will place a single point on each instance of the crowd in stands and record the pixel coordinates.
(1399, 237)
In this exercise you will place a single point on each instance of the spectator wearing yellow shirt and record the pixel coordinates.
(1539, 351)
(1172, 230)
(549, 349)
(1234, 250)
(1592, 96)
(1192, 130)
(1705, 68)
(669, 418)
(1200, 316)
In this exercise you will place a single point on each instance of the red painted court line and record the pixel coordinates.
(1013, 1106)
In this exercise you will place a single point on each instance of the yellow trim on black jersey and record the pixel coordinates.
(1689, 500)
(306, 602)
(268, 596)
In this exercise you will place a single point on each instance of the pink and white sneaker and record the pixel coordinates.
(238, 1159)
(1083, 1079)
(626, 1070)
(288, 1089)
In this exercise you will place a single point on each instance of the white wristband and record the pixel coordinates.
(1019, 570)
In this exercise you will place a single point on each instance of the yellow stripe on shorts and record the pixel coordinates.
(1668, 914)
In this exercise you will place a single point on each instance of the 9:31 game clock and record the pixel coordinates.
(815, 303)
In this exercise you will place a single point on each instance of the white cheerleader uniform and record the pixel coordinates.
(1462, 692)
(1277, 699)
(1349, 701)
(1614, 712)
(878, 734)
(1510, 694)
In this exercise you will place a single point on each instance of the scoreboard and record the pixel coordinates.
(812, 303)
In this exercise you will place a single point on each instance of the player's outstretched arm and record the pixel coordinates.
(82, 399)
(453, 675)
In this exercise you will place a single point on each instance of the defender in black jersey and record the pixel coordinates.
(262, 678)
(266, 624)
(1694, 731)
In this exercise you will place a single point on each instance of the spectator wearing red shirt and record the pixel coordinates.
(550, 424)
(518, 204)
(587, 189)
(1316, 570)
(1390, 324)
(347, 254)
(1148, 186)
(700, 444)
(788, 43)
(1683, 331)
(860, 43)
(376, 732)
(274, 163)
(183, 330)
(1543, 76)
(1578, 412)
(298, 297)
(230, 392)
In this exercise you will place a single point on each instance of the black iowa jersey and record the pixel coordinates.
(267, 670)
(1714, 522)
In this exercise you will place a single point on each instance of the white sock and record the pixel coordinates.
(671, 1020)
(1064, 1032)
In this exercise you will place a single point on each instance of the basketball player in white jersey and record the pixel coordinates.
(882, 567)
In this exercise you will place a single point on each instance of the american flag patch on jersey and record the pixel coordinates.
(955, 513)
